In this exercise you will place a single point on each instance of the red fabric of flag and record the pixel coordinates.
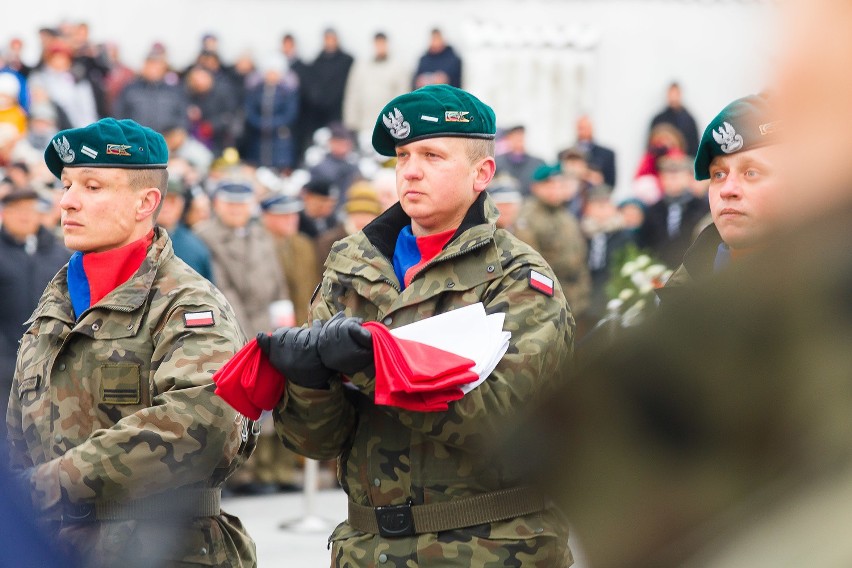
(416, 376)
(249, 383)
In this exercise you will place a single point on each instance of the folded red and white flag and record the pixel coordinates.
(416, 376)
(249, 383)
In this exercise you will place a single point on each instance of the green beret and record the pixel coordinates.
(108, 143)
(545, 171)
(431, 112)
(743, 125)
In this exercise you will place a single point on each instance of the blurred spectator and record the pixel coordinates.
(296, 252)
(362, 206)
(186, 147)
(596, 155)
(11, 111)
(320, 198)
(516, 162)
(68, 88)
(384, 182)
(676, 115)
(633, 213)
(90, 63)
(14, 147)
(118, 76)
(210, 110)
(154, 99)
(439, 65)
(575, 175)
(670, 223)
(271, 110)
(372, 83)
(187, 246)
(241, 250)
(340, 164)
(29, 258)
(505, 192)
(664, 138)
(301, 136)
(323, 85)
(606, 234)
(17, 175)
(46, 37)
(546, 225)
(12, 60)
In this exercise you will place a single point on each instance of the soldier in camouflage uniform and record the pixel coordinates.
(421, 492)
(113, 422)
(545, 224)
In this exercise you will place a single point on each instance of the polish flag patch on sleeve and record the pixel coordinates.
(542, 283)
(199, 319)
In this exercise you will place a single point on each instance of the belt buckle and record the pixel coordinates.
(395, 521)
(78, 513)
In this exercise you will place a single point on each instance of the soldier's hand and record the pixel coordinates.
(293, 352)
(345, 345)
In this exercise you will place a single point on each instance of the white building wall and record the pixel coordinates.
(540, 62)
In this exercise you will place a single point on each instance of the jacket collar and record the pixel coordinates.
(127, 297)
(701, 256)
(384, 230)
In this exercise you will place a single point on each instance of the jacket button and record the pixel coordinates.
(388, 320)
(451, 284)
(57, 438)
(203, 550)
(377, 482)
(95, 327)
(61, 366)
(383, 557)
(490, 268)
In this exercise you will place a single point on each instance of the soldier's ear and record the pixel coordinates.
(485, 169)
(148, 203)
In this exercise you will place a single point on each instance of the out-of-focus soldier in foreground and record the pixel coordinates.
(113, 423)
(719, 435)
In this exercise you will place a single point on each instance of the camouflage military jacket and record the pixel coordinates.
(389, 455)
(556, 234)
(118, 405)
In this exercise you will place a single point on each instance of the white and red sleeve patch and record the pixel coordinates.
(542, 283)
(199, 319)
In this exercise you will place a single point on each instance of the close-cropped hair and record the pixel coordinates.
(479, 149)
(142, 178)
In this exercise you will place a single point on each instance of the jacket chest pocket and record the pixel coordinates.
(120, 384)
(31, 367)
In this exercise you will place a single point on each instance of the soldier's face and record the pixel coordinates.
(437, 183)
(746, 195)
(100, 211)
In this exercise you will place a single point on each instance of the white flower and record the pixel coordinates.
(646, 288)
(628, 268)
(667, 275)
(642, 261)
(655, 271)
(626, 294)
(614, 305)
(640, 279)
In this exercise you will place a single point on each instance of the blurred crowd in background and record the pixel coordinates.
(270, 158)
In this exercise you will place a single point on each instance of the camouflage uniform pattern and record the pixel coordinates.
(119, 406)
(389, 455)
(555, 233)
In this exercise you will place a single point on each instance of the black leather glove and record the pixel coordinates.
(293, 352)
(345, 345)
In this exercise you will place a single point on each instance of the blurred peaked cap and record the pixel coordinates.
(433, 111)
(745, 124)
(233, 191)
(321, 186)
(9, 85)
(505, 189)
(675, 161)
(19, 195)
(178, 187)
(514, 128)
(339, 131)
(362, 198)
(282, 204)
(546, 171)
(600, 192)
(43, 111)
(107, 143)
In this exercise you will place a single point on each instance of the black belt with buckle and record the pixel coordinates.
(395, 520)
